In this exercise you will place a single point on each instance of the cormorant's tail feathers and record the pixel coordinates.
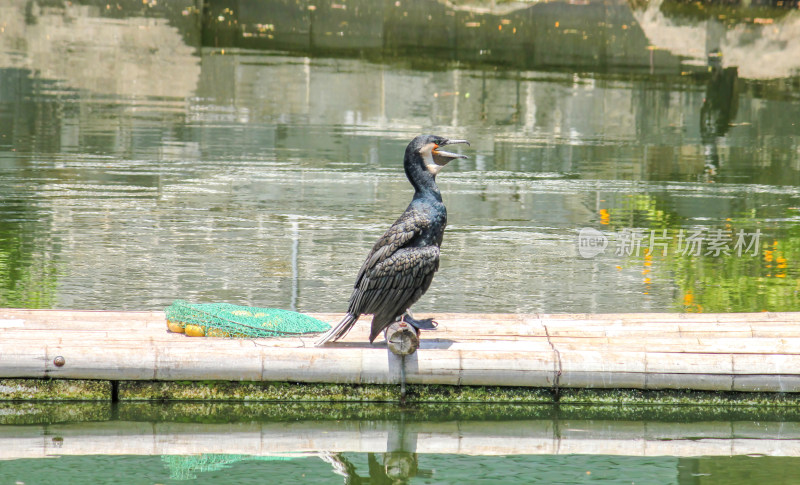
(339, 331)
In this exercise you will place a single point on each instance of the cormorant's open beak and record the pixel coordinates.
(441, 157)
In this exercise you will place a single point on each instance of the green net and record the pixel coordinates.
(227, 320)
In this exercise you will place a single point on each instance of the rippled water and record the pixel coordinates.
(253, 155)
(137, 167)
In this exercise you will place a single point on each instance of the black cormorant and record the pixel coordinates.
(400, 267)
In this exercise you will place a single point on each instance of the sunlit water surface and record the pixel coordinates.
(137, 168)
(142, 160)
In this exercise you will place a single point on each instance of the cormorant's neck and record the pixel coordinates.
(429, 189)
(424, 182)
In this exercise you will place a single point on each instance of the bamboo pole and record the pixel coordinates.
(730, 352)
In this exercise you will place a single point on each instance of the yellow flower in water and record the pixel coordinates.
(605, 217)
(690, 305)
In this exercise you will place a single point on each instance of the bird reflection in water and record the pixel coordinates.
(394, 467)
(719, 108)
(397, 465)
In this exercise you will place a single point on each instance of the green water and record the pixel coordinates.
(251, 153)
(370, 468)
(331, 443)
(364, 469)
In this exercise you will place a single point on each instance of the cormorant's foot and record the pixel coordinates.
(422, 324)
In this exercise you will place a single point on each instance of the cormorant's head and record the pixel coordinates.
(429, 149)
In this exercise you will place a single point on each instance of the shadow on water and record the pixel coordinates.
(577, 36)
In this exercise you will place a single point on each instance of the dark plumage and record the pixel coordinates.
(400, 267)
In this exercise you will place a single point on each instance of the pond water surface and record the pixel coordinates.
(369, 443)
(626, 156)
(139, 164)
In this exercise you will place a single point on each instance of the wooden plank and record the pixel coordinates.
(464, 325)
(745, 352)
(696, 381)
(726, 345)
(723, 345)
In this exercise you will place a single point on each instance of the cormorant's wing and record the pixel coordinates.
(409, 225)
(396, 283)
(392, 283)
